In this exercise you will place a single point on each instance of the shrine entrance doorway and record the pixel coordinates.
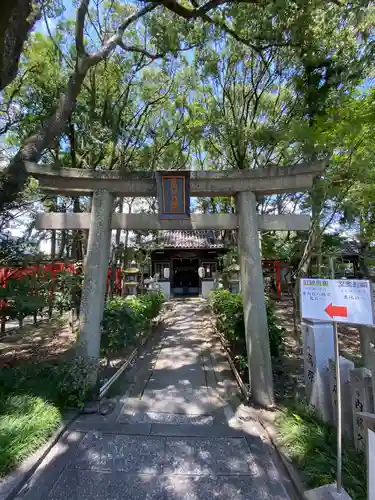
(185, 278)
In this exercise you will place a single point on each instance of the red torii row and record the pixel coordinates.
(52, 269)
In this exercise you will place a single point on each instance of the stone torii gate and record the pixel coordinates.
(246, 186)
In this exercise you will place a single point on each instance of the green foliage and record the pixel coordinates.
(21, 297)
(230, 320)
(15, 251)
(275, 331)
(311, 444)
(63, 383)
(66, 286)
(120, 325)
(125, 317)
(71, 382)
(32, 397)
(31, 294)
(26, 422)
(228, 308)
(148, 305)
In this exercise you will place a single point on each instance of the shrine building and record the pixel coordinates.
(181, 256)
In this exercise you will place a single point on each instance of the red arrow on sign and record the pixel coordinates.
(338, 311)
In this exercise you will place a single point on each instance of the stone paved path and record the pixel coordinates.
(173, 434)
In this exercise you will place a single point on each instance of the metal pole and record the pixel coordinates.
(338, 392)
(339, 410)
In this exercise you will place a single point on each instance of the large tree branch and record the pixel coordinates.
(32, 149)
(116, 39)
(139, 50)
(80, 26)
(198, 11)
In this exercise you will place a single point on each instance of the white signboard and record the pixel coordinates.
(344, 301)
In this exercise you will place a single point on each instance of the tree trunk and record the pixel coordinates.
(31, 150)
(77, 250)
(63, 244)
(53, 245)
(16, 20)
(85, 232)
(3, 323)
(53, 232)
(115, 254)
(64, 235)
(366, 333)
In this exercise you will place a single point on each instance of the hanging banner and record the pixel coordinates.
(173, 194)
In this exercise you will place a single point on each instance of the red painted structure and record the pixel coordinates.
(49, 270)
(275, 266)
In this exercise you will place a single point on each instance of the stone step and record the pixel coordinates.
(166, 418)
(197, 401)
(160, 429)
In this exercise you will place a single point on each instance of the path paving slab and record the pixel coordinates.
(209, 456)
(79, 484)
(143, 454)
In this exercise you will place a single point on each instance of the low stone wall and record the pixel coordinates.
(357, 384)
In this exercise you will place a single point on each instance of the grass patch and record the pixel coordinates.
(311, 445)
(26, 422)
(32, 398)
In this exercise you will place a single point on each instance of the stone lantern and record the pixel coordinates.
(131, 278)
(234, 277)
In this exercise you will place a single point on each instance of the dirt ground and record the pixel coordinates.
(289, 378)
(47, 340)
(50, 340)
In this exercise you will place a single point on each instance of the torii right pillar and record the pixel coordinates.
(252, 289)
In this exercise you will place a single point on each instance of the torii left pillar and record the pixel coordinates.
(252, 289)
(95, 281)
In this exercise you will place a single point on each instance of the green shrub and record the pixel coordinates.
(32, 396)
(31, 294)
(152, 303)
(275, 331)
(71, 381)
(120, 325)
(22, 298)
(63, 383)
(125, 317)
(230, 320)
(228, 308)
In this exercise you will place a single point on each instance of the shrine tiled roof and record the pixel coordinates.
(190, 239)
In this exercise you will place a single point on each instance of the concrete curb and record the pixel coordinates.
(13, 482)
(290, 469)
